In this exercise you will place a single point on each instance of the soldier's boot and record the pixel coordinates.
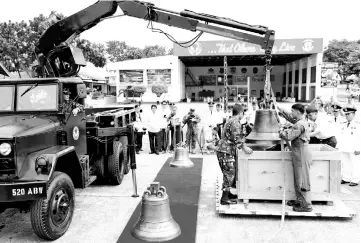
(225, 200)
(233, 197)
(302, 208)
(293, 203)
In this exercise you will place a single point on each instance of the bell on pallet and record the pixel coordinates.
(155, 223)
(265, 128)
(181, 158)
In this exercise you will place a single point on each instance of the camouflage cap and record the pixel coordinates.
(66, 91)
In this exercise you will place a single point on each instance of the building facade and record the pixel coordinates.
(199, 70)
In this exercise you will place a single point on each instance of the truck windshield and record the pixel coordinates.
(42, 97)
(7, 98)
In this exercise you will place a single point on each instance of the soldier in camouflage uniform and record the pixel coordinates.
(232, 139)
(69, 105)
(192, 120)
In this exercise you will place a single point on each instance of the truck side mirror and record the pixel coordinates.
(81, 91)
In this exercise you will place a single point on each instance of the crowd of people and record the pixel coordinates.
(222, 132)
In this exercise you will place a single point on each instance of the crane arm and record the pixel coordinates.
(56, 57)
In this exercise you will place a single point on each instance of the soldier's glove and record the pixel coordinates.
(357, 152)
(75, 111)
(247, 150)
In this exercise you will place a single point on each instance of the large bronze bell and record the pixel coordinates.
(265, 128)
(181, 158)
(155, 223)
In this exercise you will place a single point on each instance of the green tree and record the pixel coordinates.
(170, 51)
(119, 51)
(346, 54)
(139, 90)
(159, 89)
(116, 50)
(93, 52)
(154, 51)
(14, 47)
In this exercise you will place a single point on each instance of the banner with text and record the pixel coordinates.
(221, 48)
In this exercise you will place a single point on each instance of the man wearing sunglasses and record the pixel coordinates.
(349, 145)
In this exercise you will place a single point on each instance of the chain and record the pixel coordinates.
(225, 84)
(267, 70)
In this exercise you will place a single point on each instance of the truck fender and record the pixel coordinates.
(58, 158)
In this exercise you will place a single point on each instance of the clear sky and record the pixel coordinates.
(327, 19)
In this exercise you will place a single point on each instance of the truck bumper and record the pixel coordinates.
(22, 191)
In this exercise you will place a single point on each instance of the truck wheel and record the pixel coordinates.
(51, 217)
(124, 141)
(116, 165)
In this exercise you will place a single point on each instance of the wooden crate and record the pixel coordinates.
(274, 208)
(260, 174)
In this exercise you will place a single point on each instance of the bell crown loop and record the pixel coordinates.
(155, 192)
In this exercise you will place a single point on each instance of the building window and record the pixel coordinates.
(131, 76)
(283, 91)
(159, 76)
(304, 75)
(284, 78)
(209, 80)
(296, 76)
(313, 74)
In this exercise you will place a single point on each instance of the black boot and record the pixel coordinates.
(302, 208)
(225, 200)
(293, 203)
(232, 196)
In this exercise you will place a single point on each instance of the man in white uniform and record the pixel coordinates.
(324, 132)
(349, 145)
(218, 119)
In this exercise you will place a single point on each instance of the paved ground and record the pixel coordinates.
(103, 211)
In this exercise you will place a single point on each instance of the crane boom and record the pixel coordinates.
(56, 57)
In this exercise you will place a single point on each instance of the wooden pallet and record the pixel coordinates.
(338, 209)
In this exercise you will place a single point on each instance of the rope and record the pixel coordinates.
(284, 174)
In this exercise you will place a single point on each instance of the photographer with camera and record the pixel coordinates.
(175, 121)
(192, 120)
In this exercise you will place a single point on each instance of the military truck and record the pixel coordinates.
(46, 151)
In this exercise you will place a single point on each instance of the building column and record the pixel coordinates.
(300, 67)
(287, 79)
(120, 98)
(319, 57)
(308, 78)
(293, 77)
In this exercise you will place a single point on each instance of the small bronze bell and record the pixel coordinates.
(181, 158)
(265, 129)
(155, 223)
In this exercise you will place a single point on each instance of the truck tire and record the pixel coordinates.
(126, 161)
(51, 217)
(115, 164)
